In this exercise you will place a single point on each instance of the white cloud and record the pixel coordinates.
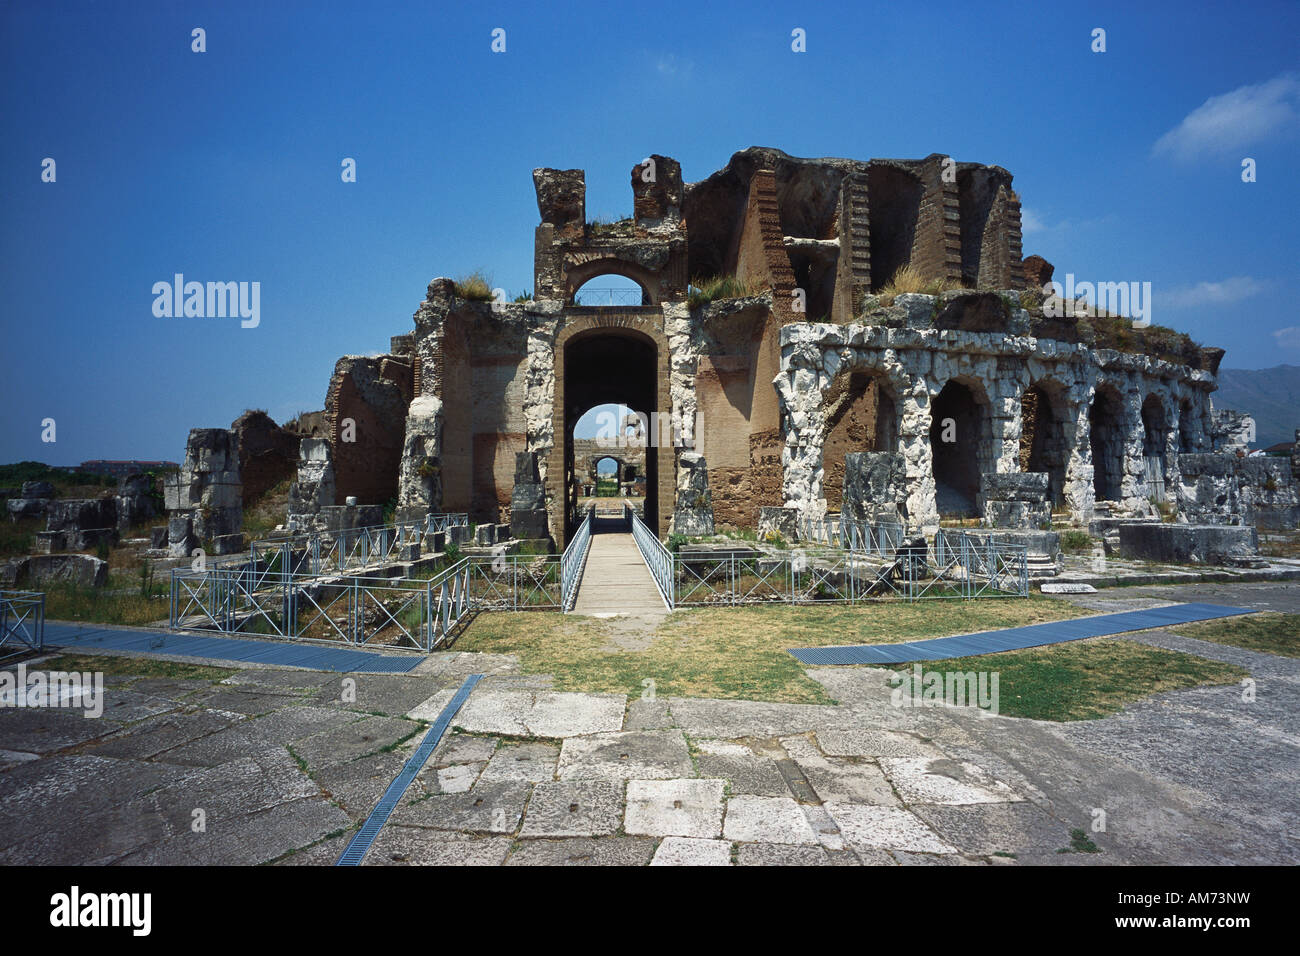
(1211, 293)
(671, 65)
(1288, 338)
(1233, 121)
(1030, 221)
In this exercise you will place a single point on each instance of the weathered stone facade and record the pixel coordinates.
(812, 386)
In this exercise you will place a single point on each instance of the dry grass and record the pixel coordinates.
(732, 653)
(476, 287)
(1086, 680)
(1268, 632)
(909, 279)
(713, 288)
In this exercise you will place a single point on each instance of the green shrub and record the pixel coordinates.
(476, 287)
(1075, 540)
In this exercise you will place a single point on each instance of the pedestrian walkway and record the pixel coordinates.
(1014, 638)
(249, 651)
(616, 579)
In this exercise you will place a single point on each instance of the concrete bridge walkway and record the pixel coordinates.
(616, 579)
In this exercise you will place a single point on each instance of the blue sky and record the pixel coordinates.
(225, 166)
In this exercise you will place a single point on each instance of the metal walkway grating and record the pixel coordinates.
(1015, 638)
(360, 844)
(251, 651)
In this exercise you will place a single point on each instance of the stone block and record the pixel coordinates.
(874, 487)
(158, 537)
(693, 514)
(782, 521)
(37, 489)
(227, 544)
(27, 507)
(1189, 544)
(50, 542)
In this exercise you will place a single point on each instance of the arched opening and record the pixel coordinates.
(960, 443)
(1187, 443)
(1043, 445)
(861, 415)
(611, 282)
(609, 371)
(1155, 438)
(1106, 439)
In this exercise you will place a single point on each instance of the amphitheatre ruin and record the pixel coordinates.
(825, 352)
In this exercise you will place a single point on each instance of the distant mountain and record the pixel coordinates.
(1270, 395)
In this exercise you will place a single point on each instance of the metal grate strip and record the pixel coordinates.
(1014, 638)
(250, 651)
(360, 845)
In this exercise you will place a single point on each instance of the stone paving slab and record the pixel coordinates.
(945, 781)
(986, 829)
(530, 762)
(154, 735)
(462, 748)
(685, 851)
(780, 854)
(547, 714)
(457, 778)
(731, 719)
(767, 820)
(754, 775)
(626, 755)
(59, 791)
(357, 785)
(255, 838)
(356, 739)
(43, 730)
(890, 828)
(379, 693)
(487, 808)
(413, 846)
(645, 714)
(683, 808)
(608, 851)
(873, 743)
(840, 779)
(574, 808)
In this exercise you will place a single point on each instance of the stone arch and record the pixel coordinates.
(861, 414)
(579, 274)
(1106, 439)
(1044, 433)
(579, 341)
(1155, 444)
(961, 445)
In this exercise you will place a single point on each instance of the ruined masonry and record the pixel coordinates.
(814, 393)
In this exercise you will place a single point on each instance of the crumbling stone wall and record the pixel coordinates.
(366, 408)
(205, 497)
(268, 454)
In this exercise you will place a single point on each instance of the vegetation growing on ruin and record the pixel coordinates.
(909, 279)
(711, 289)
(475, 287)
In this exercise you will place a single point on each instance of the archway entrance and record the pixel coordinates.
(606, 366)
(860, 416)
(1043, 446)
(1155, 448)
(960, 436)
(1106, 439)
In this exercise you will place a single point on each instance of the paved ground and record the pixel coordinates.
(278, 767)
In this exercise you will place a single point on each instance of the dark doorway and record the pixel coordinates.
(958, 441)
(1106, 439)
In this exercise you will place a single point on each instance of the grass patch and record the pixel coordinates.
(135, 667)
(909, 279)
(731, 653)
(476, 287)
(1080, 842)
(1086, 680)
(71, 602)
(1075, 540)
(1269, 632)
(705, 290)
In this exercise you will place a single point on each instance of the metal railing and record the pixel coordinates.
(22, 623)
(573, 561)
(658, 559)
(593, 296)
(959, 568)
(867, 537)
(345, 549)
(355, 609)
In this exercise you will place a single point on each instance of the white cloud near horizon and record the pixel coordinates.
(1234, 121)
(1288, 338)
(1223, 292)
